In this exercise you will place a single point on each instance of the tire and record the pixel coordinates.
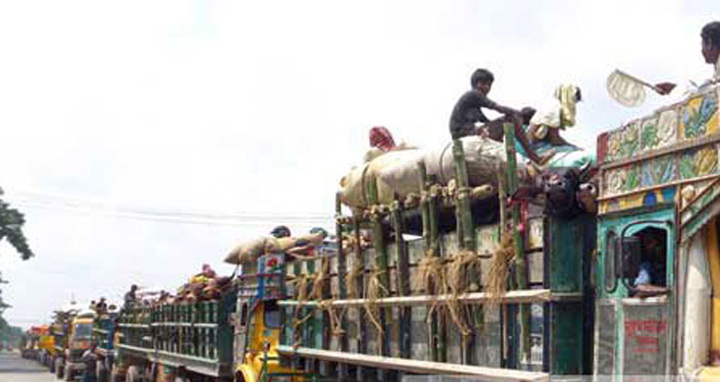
(69, 373)
(151, 373)
(59, 368)
(133, 374)
(102, 372)
(115, 376)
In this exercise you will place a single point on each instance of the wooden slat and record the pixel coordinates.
(512, 297)
(415, 366)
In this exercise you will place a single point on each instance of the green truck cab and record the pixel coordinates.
(657, 243)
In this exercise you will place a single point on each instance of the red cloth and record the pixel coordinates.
(381, 138)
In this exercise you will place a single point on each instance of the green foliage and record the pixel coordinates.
(649, 137)
(11, 222)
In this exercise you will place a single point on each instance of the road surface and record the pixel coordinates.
(13, 368)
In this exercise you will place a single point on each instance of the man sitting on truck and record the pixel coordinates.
(130, 296)
(710, 35)
(467, 117)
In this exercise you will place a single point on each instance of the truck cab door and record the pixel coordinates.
(634, 335)
(241, 330)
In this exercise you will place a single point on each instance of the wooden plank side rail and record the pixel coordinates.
(415, 366)
(511, 297)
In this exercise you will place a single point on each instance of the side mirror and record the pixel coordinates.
(631, 257)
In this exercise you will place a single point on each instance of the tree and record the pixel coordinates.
(11, 222)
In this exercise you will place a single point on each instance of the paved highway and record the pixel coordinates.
(13, 368)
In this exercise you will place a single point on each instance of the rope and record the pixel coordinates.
(497, 280)
(374, 291)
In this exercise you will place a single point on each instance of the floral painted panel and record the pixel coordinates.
(622, 180)
(649, 138)
(650, 173)
(667, 126)
(699, 162)
(700, 116)
(658, 171)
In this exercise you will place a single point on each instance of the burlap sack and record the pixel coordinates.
(351, 186)
(246, 252)
(483, 158)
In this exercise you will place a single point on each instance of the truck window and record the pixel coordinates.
(653, 258)
(272, 314)
(243, 314)
(83, 331)
(611, 242)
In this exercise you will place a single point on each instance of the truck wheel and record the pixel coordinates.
(115, 375)
(69, 373)
(102, 373)
(133, 374)
(59, 368)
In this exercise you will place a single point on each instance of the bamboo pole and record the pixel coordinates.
(511, 297)
(425, 210)
(342, 287)
(359, 286)
(434, 220)
(381, 265)
(463, 192)
(422, 367)
(402, 278)
(520, 258)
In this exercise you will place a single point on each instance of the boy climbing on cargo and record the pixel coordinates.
(467, 117)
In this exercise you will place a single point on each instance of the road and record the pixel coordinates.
(13, 368)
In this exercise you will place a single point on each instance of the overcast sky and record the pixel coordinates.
(144, 138)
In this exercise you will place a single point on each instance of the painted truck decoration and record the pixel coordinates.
(659, 183)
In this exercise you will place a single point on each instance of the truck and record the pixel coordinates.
(37, 343)
(450, 282)
(104, 336)
(630, 293)
(502, 281)
(72, 331)
(231, 338)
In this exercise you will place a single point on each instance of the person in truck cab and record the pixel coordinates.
(467, 117)
(650, 280)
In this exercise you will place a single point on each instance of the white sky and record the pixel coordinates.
(258, 108)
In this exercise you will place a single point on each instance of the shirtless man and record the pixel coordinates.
(467, 116)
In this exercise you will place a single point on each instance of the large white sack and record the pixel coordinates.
(351, 185)
(483, 158)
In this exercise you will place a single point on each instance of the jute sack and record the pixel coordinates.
(247, 252)
(483, 158)
(351, 186)
(273, 245)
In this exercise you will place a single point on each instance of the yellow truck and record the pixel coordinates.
(234, 338)
(72, 337)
